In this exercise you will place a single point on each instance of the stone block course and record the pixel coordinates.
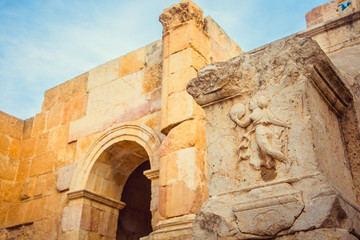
(58, 137)
(42, 163)
(39, 124)
(65, 175)
(28, 124)
(8, 168)
(41, 143)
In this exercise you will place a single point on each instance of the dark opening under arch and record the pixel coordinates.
(135, 219)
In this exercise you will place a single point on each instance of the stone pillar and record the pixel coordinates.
(90, 216)
(277, 162)
(182, 169)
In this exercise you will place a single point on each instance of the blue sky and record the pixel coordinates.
(44, 43)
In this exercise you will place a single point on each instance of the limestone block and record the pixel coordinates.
(182, 174)
(17, 213)
(180, 107)
(154, 53)
(71, 217)
(28, 189)
(42, 163)
(215, 220)
(55, 115)
(64, 177)
(28, 124)
(4, 122)
(83, 144)
(39, 187)
(179, 79)
(27, 147)
(37, 210)
(50, 183)
(41, 143)
(23, 170)
(14, 149)
(321, 14)
(51, 98)
(152, 78)
(65, 155)
(79, 84)
(15, 128)
(268, 210)
(54, 204)
(132, 62)
(109, 229)
(103, 74)
(186, 58)
(84, 127)
(4, 144)
(4, 208)
(187, 35)
(65, 91)
(10, 191)
(74, 108)
(47, 229)
(185, 135)
(8, 168)
(58, 137)
(39, 124)
(117, 91)
(222, 46)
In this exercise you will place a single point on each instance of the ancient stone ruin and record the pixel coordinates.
(191, 138)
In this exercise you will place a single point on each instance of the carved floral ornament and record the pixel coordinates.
(261, 144)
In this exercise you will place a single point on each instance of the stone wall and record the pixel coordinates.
(277, 163)
(40, 153)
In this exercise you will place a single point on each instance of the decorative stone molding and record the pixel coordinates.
(331, 87)
(152, 174)
(97, 198)
(139, 133)
(174, 227)
(338, 22)
(224, 80)
(180, 13)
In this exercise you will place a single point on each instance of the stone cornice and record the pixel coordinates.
(338, 22)
(97, 198)
(152, 174)
(238, 76)
(329, 84)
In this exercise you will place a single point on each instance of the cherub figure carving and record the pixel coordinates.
(258, 142)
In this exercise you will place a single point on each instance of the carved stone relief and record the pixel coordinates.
(260, 142)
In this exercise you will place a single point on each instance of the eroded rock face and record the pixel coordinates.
(275, 156)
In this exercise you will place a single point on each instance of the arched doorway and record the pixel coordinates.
(104, 183)
(135, 219)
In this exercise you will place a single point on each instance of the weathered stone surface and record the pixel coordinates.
(58, 137)
(8, 168)
(222, 46)
(188, 134)
(180, 13)
(71, 217)
(215, 220)
(320, 234)
(28, 189)
(42, 163)
(64, 177)
(248, 168)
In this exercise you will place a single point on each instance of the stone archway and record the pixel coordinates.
(97, 186)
